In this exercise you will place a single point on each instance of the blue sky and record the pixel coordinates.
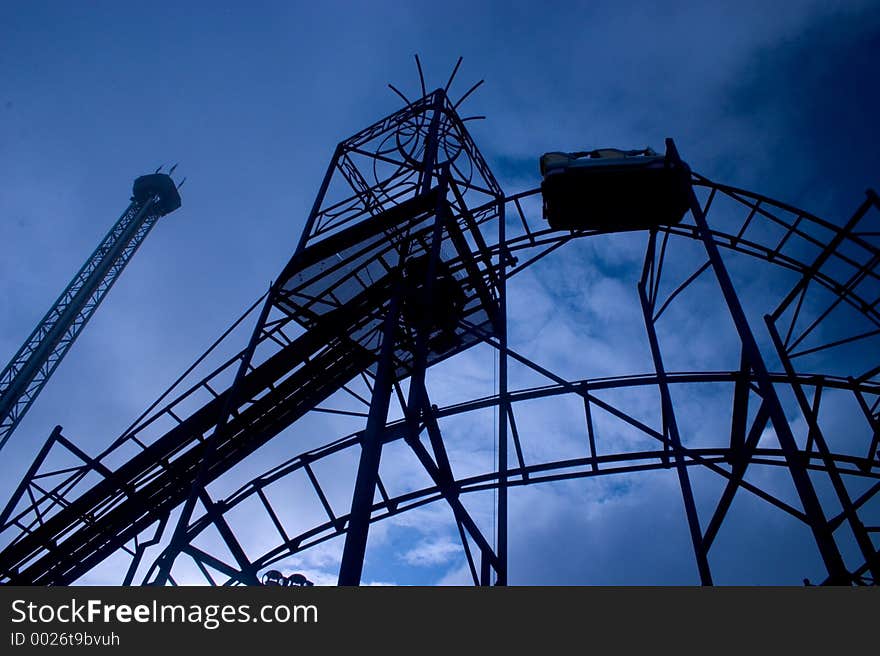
(252, 100)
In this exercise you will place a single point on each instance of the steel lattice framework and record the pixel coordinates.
(29, 370)
(410, 228)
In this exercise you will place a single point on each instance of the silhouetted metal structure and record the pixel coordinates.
(404, 262)
(26, 374)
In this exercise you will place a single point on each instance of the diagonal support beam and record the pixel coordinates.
(247, 574)
(197, 489)
(866, 546)
(741, 459)
(671, 427)
(822, 534)
(441, 473)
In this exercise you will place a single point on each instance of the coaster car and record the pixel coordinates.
(610, 189)
(275, 578)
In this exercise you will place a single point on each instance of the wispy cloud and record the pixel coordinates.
(437, 552)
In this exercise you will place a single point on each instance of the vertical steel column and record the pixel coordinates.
(828, 550)
(415, 400)
(351, 568)
(420, 355)
(371, 450)
(740, 413)
(873, 420)
(430, 159)
(504, 404)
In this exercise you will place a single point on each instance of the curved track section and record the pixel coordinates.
(413, 188)
(843, 268)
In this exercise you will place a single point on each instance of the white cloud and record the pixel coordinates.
(431, 552)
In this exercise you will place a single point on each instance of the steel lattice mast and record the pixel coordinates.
(26, 374)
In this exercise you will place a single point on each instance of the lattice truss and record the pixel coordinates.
(30, 369)
(199, 489)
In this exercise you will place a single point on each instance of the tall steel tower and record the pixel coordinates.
(153, 196)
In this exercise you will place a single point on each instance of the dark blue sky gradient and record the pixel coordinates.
(251, 100)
